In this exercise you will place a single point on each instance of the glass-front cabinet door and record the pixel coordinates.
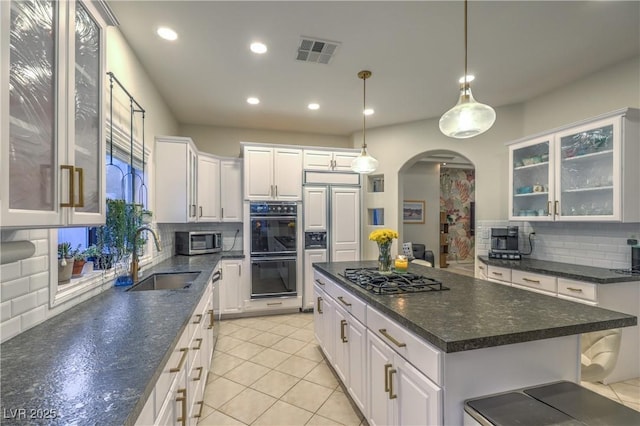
(588, 172)
(532, 180)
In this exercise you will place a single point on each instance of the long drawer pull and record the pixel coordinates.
(399, 344)
(530, 280)
(497, 273)
(199, 415)
(200, 370)
(319, 282)
(386, 377)
(343, 336)
(211, 318)
(344, 302)
(274, 304)
(481, 267)
(198, 319)
(391, 394)
(199, 340)
(319, 306)
(182, 360)
(183, 400)
(577, 290)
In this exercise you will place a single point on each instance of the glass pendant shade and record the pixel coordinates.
(467, 118)
(364, 163)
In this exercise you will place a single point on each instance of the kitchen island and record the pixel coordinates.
(98, 362)
(474, 339)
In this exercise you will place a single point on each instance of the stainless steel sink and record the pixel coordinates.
(166, 281)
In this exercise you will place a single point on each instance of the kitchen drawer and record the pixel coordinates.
(499, 273)
(178, 359)
(482, 270)
(348, 302)
(421, 354)
(539, 282)
(323, 282)
(571, 289)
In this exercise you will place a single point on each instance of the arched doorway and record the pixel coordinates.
(444, 182)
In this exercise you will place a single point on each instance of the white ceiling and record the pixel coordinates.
(517, 50)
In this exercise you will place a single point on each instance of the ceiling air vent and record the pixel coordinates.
(316, 50)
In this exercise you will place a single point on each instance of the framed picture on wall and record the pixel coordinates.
(413, 211)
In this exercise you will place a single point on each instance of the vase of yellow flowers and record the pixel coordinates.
(384, 238)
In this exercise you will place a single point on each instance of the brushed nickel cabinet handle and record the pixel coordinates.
(199, 415)
(182, 360)
(481, 267)
(556, 207)
(344, 302)
(529, 280)
(210, 312)
(200, 211)
(319, 282)
(80, 172)
(497, 273)
(183, 400)
(71, 191)
(391, 394)
(200, 370)
(343, 337)
(399, 344)
(319, 306)
(198, 319)
(577, 290)
(274, 303)
(386, 377)
(199, 341)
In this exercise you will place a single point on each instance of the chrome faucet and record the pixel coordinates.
(134, 259)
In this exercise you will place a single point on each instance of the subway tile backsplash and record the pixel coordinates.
(603, 245)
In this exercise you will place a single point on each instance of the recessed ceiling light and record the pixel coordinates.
(470, 78)
(258, 47)
(253, 101)
(369, 111)
(313, 106)
(167, 33)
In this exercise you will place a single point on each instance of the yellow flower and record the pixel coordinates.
(382, 236)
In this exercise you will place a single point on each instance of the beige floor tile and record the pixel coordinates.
(338, 408)
(626, 392)
(225, 343)
(310, 351)
(221, 391)
(227, 328)
(206, 410)
(263, 325)
(247, 373)
(632, 405)
(275, 383)
(270, 358)
(224, 362)
(266, 339)
(318, 420)
(322, 375)
(304, 335)
(216, 418)
(278, 319)
(288, 345)
(246, 350)
(248, 405)
(243, 333)
(212, 376)
(307, 395)
(296, 366)
(283, 329)
(283, 414)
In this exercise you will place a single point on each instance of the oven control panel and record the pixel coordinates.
(272, 208)
(315, 240)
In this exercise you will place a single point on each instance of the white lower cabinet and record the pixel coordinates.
(231, 286)
(178, 395)
(399, 394)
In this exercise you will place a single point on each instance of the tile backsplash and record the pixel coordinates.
(602, 245)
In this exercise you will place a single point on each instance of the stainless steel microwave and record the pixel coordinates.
(198, 242)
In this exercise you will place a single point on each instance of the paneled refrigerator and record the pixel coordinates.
(331, 227)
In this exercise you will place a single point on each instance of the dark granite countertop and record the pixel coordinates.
(565, 270)
(476, 314)
(97, 362)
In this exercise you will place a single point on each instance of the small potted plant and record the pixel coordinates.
(79, 259)
(65, 262)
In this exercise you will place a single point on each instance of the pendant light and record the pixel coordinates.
(364, 163)
(467, 118)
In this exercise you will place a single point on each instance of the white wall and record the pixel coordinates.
(225, 141)
(24, 285)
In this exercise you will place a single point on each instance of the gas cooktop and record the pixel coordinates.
(394, 283)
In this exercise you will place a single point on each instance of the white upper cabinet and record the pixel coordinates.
(315, 208)
(272, 173)
(583, 172)
(231, 190)
(52, 114)
(329, 160)
(208, 188)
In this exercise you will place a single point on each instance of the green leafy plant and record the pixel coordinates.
(116, 237)
(64, 251)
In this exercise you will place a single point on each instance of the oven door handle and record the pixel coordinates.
(272, 259)
(290, 217)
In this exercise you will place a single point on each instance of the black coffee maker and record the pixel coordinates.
(504, 243)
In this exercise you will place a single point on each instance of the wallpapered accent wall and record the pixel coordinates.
(457, 191)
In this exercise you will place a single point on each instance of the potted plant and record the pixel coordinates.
(65, 262)
(79, 259)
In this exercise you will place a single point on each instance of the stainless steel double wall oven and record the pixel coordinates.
(274, 248)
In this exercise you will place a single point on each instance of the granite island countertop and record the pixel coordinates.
(565, 270)
(97, 362)
(476, 314)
